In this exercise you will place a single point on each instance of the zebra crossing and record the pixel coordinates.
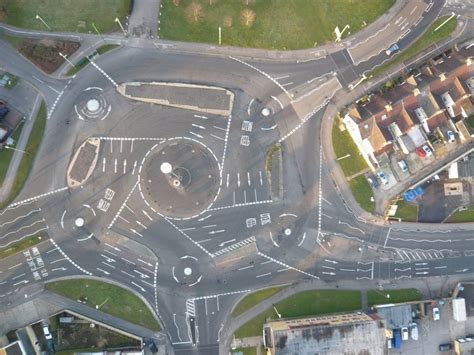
(190, 307)
(234, 246)
(416, 255)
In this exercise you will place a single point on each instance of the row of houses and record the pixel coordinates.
(408, 113)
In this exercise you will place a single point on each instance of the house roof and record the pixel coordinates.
(371, 131)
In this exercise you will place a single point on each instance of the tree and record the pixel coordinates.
(176, 2)
(194, 12)
(247, 17)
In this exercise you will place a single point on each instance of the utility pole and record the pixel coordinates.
(120, 24)
(38, 17)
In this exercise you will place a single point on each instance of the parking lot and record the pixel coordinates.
(433, 333)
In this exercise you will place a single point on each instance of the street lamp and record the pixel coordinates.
(276, 311)
(38, 17)
(120, 24)
(65, 58)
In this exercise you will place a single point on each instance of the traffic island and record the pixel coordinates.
(83, 163)
(206, 99)
(274, 170)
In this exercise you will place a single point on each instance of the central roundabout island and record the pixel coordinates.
(179, 178)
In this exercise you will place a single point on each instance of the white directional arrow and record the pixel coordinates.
(219, 231)
(124, 166)
(463, 270)
(401, 270)
(417, 264)
(422, 273)
(328, 273)
(226, 242)
(330, 261)
(59, 269)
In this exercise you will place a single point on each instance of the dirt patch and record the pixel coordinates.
(45, 53)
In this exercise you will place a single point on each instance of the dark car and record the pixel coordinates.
(445, 347)
(151, 345)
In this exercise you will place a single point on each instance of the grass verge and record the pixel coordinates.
(113, 300)
(274, 148)
(304, 304)
(362, 192)
(462, 216)
(7, 154)
(85, 61)
(407, 211)
(343, 146)
(69, 16)
(21, 245)
(271, 24)
(254, 298)
(427, 39)
(28, 158)
(12, 81)
(396, 296)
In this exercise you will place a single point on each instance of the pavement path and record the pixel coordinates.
(18, 154)
(143, 21)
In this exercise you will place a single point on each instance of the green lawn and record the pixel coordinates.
(407, 211)
(31, 149)
(7, 154)
(12, 81)
(21, 245)
(470, 121)
(304, 304)
(254, 298)
(396, 296)
(362, 192)
(344, 145)
(115, 300)
(427, 39)
(64, 15)
(277, 24)
(466, 215)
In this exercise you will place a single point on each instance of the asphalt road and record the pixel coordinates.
(193, 270)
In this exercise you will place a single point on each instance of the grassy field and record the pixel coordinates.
(114, 300)
(7, 154)
(254, 298)
(396, 296)
(466, 215)
(64, 15)
(362, 192)
(427, 39)
(31, 149)
(343, 145)
(304, 304)
(271, 24)
(407, 211)
(23, 244)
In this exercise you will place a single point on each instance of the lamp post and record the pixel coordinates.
(120, 24)
(65, 58)
(97, 31)
(38, 17)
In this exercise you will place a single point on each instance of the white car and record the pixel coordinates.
(436, 314)
(414, 331)
(427, 150)
(451, 136)
(383, 178)
(404, 333)
(47, 333)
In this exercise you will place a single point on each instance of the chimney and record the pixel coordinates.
(442, 77)
(416, 92)
(388, 107)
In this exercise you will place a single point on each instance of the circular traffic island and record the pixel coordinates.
(180, 178)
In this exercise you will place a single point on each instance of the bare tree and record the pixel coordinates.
(176, 2)
(248, 2)
(247, 17)
(212, 2)
(194, 12)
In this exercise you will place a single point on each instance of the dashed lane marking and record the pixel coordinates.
(69, 259)
(35, 198)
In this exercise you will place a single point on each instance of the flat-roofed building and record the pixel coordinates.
(348, 333)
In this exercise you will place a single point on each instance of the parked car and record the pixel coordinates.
(404, 333)
(445, 347)
(420, 152)
(403, 165)
(427, 150)
(383, 178)
(436, 314)
(392, 49)
(373, 181)
(47, 333)
(451, 137)
(414, 331)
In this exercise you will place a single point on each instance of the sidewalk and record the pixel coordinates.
(10, 176)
